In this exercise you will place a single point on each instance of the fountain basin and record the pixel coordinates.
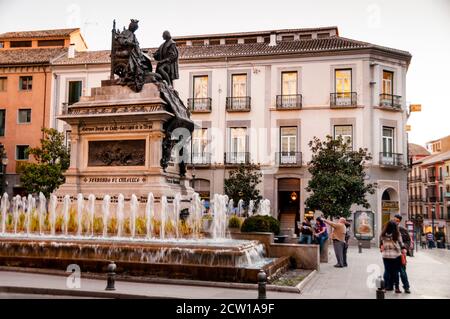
(213, 260)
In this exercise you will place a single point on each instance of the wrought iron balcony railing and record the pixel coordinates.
(344, 99)
(200, 159)
(431, 179)
(235, 158)
(391, 101)
(391, 159)
(238, 104)
(288, 159)
(199, 105)
(289, 102)
(416, 198)
(432, 199)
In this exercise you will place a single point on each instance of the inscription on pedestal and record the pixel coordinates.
(114, 180)
(116, 153)
(116, 128)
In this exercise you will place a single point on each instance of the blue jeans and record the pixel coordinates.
(322, 240)
(391, 272)
(404, 277)
(305, 239)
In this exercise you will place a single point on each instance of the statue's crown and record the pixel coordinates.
(134, 21)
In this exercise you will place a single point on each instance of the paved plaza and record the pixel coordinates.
(428, 272)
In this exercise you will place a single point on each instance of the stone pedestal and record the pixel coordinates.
(116, 145)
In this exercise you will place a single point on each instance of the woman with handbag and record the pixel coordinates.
(391, 247)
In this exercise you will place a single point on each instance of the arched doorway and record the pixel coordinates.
(389, 205)
(289, 204)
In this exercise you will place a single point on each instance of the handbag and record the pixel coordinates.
(403, 259)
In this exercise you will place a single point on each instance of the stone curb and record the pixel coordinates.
(74, 293)
(156, 280)
(305, 281)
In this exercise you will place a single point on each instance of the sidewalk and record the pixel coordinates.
(428, 272)
(29, 280)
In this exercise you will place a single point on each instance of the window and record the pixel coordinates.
(388, 141)
(20, 44)
(289, 81)
(343, 80)
(305, 36)
(25, 83)
(51, 43)
(288, 145)
(75, 88)
(199, 144)
(198, 43)
(239, 85)
(346, 132)
(323, 35)
(2, 122)
(288, 139)
(388, 82)
(2, 44)
(24, 116)
(238, 144)
(200, 88)
(287, 38)
(441, 194)
(3, 83)
(21, 152)
(250, 40)
(214, 42)
(231, 41)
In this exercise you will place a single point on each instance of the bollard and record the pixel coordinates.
(111, 279)
(262, 281)
(359, 247)
(380, 288)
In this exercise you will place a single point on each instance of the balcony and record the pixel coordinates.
(289, 102)
(431, 179)
(416, 198)
(432, 199)
(391, 101)
(393, 160)
(343, 100)
(238, 104)
(199, 105)
(236, 158)
(288, 159)
(200, 159)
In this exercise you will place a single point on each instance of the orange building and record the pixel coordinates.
(25, 91)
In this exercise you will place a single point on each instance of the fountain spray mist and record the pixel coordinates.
(134, 208)
(91, 211)
(52, 213)
(119, 214)
(80, 207)
(42, 212)
(149, 213)
(105, 211)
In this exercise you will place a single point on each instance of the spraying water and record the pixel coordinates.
(241, 207)
(52, 213)
(42, 212)
(119, 214)
(230, 207)
(219, 223)
(17, 203)
(66, 214)
(149, 213)
(251, 206)
(164, 211)
(80, 207)
(105, 211)
(134, 207)
(176, 211)
(91, 212)
(30, 208)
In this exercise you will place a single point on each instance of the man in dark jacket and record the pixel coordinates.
(167, 58)
(407, 245)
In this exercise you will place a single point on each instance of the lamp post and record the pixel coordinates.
(4, 164)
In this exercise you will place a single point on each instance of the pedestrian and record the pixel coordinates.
(423, 241)
(321, 233)
(406, 239)
(306, 231)
(347, 238)
(391, 251)
(338, 237)
(430, 240)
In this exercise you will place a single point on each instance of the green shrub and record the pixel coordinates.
(234, 222)
(261, 224)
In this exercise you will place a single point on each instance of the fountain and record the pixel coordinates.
(180, 247)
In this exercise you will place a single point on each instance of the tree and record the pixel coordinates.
(51, 161)
(242, 184)
(337, 177)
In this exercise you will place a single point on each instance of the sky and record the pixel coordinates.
(421, 27)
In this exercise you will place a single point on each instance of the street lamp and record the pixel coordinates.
(433, 209)
(4, 164)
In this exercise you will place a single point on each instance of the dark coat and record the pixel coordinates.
(168, 50)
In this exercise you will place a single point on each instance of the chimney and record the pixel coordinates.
(71, 52)
(273, 39)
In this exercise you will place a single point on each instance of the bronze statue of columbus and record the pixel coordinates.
(167, 58)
